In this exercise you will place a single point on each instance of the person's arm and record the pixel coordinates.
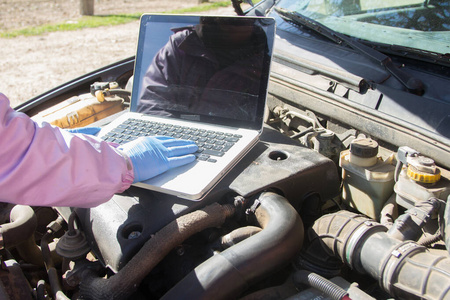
(46, 166)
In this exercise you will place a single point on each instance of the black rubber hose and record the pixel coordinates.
(40, 290)
(227, 274)
(52, 273)
(320, 283)
(123, 284)
(408, 226)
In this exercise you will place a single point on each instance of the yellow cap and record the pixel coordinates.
(423, 177)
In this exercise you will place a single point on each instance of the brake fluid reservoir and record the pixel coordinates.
(420, 180)
(368, 181)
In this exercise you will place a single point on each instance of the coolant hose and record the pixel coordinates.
(19, 233)
(227, 274)
(404, 269)
(22, 225)
(123, 284)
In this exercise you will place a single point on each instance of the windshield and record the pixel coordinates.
(423, 25)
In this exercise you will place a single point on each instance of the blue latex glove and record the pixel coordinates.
(152, 156)
(85, 130)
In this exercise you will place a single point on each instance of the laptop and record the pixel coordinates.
(202, 78)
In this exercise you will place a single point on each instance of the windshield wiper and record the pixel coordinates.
(412, 84)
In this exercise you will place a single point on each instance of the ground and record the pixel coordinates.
(32, 65)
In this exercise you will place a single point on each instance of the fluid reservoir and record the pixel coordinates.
(368, 180)
(419, 180)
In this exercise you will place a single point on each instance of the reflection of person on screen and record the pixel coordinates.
(210, 65)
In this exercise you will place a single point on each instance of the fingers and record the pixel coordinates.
(182, 150)
(171, 142)
(177, 147)
(178, 161)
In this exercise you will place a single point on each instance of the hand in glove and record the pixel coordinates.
(152, 156)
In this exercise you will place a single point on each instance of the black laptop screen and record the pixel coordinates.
(209, 69)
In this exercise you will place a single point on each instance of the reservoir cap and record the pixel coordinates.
(364, 148)
(423, 169)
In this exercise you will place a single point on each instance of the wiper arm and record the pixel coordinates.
(412, 84)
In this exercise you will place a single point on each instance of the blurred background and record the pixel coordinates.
(44, 43)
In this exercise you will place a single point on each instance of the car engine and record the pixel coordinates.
(344, 197)
(307, 213)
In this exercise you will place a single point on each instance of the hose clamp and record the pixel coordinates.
(357, 238)
(253, 208)
(394, 260)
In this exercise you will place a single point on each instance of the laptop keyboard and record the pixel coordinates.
(211, 144)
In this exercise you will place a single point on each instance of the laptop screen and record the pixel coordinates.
(212, 69)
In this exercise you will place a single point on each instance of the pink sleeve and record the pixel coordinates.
(46, 166)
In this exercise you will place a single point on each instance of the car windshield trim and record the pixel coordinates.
(413, 85)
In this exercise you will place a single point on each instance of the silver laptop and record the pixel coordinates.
(202, 78)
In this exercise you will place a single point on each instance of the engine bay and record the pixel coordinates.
(345, 196)
(292, 217)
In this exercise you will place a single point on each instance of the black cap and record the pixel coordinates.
(364, 148)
